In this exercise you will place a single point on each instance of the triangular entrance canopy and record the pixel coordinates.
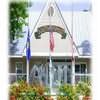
(51, 15)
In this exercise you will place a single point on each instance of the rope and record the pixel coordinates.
(38, 18)
(73, 57)
(34, 26)
(67, 28)
(72, 32)
(50, 59)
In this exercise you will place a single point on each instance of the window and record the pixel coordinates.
(19, 70)
(81, 73)
(77, 68)
(83, 68)
(69, 72)
(19, 67)
(80, 68)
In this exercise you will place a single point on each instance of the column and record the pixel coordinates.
(59, 73)
(46, 74)
(65, 74)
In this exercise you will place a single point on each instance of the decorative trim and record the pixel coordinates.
(40, 54)
(15, 56)
(46, 28)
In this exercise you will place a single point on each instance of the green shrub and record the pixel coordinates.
(69, 91)
(62, 98)
(83, 88)
(23, 91)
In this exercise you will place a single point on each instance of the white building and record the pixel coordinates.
(68, 40)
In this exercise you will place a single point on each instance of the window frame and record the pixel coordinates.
(17, 66)
(18, 74)
(80, 75)
(80, 63)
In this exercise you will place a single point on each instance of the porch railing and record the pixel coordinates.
(13, 77)
(82, 77)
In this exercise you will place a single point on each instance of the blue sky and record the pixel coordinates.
(65, 5)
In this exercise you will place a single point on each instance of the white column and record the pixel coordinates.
(46, 74)
(65, 73)
(40, 74)
(60, 73)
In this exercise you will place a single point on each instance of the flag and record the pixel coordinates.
(28, 51)
(51, 42)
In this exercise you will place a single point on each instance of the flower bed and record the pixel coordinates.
(24, 91)
(69, 92)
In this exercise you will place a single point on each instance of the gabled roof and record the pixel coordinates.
(57, 20)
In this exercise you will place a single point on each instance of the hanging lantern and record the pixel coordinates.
(50, 11)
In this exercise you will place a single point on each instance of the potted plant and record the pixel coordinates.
(84, 89)
(16, 89)
(13, 92)
(12, 97)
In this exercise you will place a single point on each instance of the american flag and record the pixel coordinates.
(51, 42)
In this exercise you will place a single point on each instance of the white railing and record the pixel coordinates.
(82, 77)
(13, 77)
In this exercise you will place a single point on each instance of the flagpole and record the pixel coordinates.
(27, 57)
(27, 60)
(27, 71)
(73, 58)
(28, 54)
(50, 60)
(50, 73)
